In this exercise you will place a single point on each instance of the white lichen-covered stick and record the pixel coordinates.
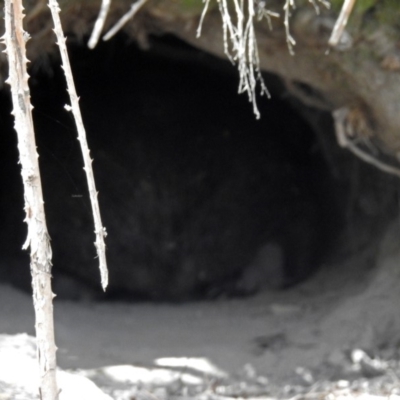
(99, 229)
(99, 24)
(38, 239)
(341, 22)
(135, 7)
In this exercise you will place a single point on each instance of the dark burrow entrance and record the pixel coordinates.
(199, 198)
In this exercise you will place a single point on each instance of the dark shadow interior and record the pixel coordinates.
(199, 198)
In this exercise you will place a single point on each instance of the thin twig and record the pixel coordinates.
(203, 14)
(99, 229)
(325, 3)
(341, 22)
(124, 19)
(38, 239)
(339, 117)
(289, 38)
(268, 15)
(99, 24)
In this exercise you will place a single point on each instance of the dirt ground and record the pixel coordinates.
(340, 326)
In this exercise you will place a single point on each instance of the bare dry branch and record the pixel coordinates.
(38, 239)
(240, 43)
(99, 229)
(99, 24)
(125, 18)
(341, 23)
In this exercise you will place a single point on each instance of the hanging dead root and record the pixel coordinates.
(351, 138)
(240, 42)
(100, 231)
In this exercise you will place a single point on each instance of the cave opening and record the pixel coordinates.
(199, 199)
